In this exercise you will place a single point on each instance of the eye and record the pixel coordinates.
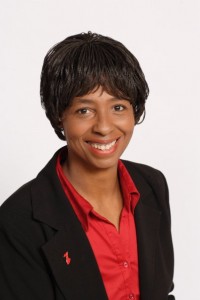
(83, 111)
(119, 107)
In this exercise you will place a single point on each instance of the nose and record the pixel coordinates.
(103, 124)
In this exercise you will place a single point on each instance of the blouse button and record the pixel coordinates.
(125, 264)
(131, 297)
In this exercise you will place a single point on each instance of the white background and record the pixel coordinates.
(165, 37)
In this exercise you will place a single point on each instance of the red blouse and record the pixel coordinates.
(115, 251)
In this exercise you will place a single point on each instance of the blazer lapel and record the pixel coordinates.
(147, 222)
(76, 274)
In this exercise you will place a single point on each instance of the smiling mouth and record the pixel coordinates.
(104, 146)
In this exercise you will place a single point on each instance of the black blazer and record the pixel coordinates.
(38, 225)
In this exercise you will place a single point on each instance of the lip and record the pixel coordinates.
(102, 142)
(101, 152)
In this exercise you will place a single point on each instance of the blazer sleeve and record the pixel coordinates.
(24, 273)
(166, 217)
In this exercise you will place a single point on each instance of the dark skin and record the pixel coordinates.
(98, 128)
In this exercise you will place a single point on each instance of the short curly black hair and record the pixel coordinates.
(83, 62)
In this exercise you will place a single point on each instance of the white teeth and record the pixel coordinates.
(103, 147)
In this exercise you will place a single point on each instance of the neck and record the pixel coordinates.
(100, 187)
(92, 182)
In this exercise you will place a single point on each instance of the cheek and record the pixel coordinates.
(74, 131)
(128, 124)
(132, 122)
(70, 134)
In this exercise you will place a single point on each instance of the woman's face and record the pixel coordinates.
(98, 128)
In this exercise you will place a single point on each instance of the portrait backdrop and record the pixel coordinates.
(164, 36)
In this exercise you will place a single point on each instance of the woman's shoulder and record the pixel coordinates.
(18, 204)
(143, 170)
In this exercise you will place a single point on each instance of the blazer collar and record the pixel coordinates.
(48, 198)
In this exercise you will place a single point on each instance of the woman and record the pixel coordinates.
(90, 225)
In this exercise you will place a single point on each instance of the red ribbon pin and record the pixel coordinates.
(67, 258)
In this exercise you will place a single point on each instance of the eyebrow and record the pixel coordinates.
(78, 100)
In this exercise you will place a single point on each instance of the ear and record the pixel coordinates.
(60, 130)
(60, 124)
